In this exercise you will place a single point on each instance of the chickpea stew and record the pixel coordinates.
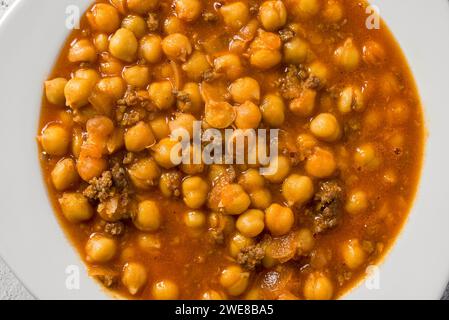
(350, 146)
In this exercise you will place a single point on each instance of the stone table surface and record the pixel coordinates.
(10, 286)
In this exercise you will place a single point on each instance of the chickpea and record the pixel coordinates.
(116, 141)
(351, 99)
(100, 249)
(170, 183)
(248, 116)
(139, 137)
(150, 48)
(234, 280)
(90, 167)
(234, 199)
(219, 114)
(182, 121)
(77, 92)
(112, 86)
(260, 198)
(251, 180)
(296, 51)
(273, 110)
(110, 66)
(82, 51)
(161, 93)
(196, 66)
(103, 18)
(123, 45)
(188, 10)
(306, 143)
(254, 294)
(99, 127)
(142, 6)
(213, 295)
(162, 152)
(357, 202)
(75, 207)
(165, 290)
(238, 242)
(278, 169)
(64, 174)
(348, 56)
(245, 89)
(265, 58)
(305, 240)
(297, 189)
(333, 11)
(160, 128)
(77, 141)
(373, 53)
(194, 190)
(353, 254)
(321, 164)
(196, 165)
(318, 287)
(134, 277)
(144, 173)
(55, 140)
(137, 76)
(398, 112)
(173, 25)
(366, 157)
(273, 15)
(229, 64)
(101, 42)
(307, 8)
(120, 5)
(54, 91)
(325, 127)
(177, 47)
(279, 220)
(319, 70)
(235, 15)
(194, 101)
(304, 105)
(148, 217)
(149, 242)
(136, 25)
(195, 219)
(251, 223)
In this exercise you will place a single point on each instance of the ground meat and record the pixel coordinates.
(174, 181)
(119, 177)
(210, 75)
(183, 97)
(291, 83)
(132, 98)
(210, 17)
(128, 117)
(253, 8)
(100, 188)
(313, 82)
(250, 257)
(111, 193)
(286, 34)
(326, 206)
(152, 22)
(108, 280)
(114, 228)
(129, 158)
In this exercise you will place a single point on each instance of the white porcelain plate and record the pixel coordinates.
(32, 242)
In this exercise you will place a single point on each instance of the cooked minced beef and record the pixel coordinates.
(326, 206)
(250, 257)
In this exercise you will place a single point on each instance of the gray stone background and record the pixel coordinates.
(10, 286)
